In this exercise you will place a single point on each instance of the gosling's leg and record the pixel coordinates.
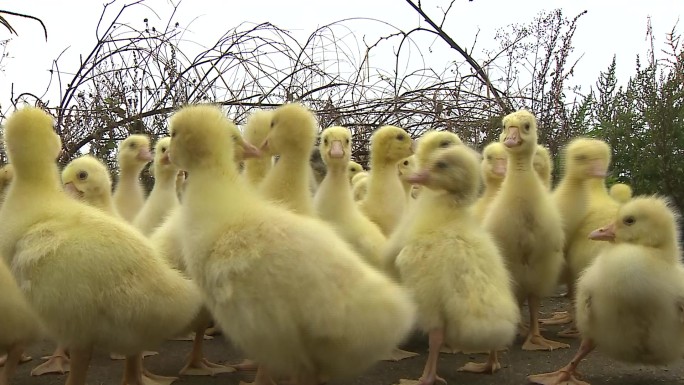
(492, 365)
(135, 374)
(263, 377)
(429, 376)
(534, 340)
(80, 360)
(11, 362)
(567, 374)
(197, 365)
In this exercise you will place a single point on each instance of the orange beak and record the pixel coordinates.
(512, 137)
(250, 151)
(606, 233)
(421, 177)
(71, 190)
(336, 149)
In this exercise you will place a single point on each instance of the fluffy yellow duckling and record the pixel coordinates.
(360, 186)
(354, 168)
(580, 251)
(87, 179)
(428, 143)
(354, 316)
(163, 197)
(70, 258)
(583, 159)
(129, 195)
(630, 300)
(527, 225)
(335, 204)
(494, 163)
(255, 132)
(621, 192)
(385, 201)
(167, 239)
(454, 268)
(543, 165)
(292, 135)
(19, 324)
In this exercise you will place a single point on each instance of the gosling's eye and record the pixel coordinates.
(82, 175)
(630, 220)
(445, 143)
(526, 127)
(400, 137)
(163, 150)
(441, 165)
(273, 123)
(406, 162)
(133, 145)
(235, 138)
(173, 134)
(581, 158)
(489, 157)
(346, 141)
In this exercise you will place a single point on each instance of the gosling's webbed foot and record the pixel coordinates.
(537, 342)
(480, 367)
(422, 381)
(246, 365)
(557, 318)
(55, 364)
(204, 367)
(398, 355)
(559, 377)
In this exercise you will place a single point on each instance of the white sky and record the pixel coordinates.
(610, 27)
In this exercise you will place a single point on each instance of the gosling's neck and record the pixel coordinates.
(38, 179)
(256, 169)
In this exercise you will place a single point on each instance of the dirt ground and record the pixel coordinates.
(597, 369)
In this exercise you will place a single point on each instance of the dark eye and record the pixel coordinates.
(325, 141)
(445, 143)
(489, 157)
(526, 127)
(133, 145)
(400, 137)
(173, 134)
(441, 165)
(406, 162)
(630, 220)
(235, 138)
(273, 123)
(163, 150)
(346, 141)
(82, 175)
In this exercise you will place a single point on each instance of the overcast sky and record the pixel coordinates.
(610, 27)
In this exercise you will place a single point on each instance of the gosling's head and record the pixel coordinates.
(494, 162)
(431, 141)
(162, 165)
(389, 144)
(359, 176)
(203, 137)
(134, 152)
(542, 164)
(520, 132)
(257, 127)
(30, 140)
(293, 131)
(6, 176)
(644, 221)
(454, 169)
(586, 158)
(406, 167)
(621, 192)
(335, 146)
(86, 178)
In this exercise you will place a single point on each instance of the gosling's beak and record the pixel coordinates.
(145, 155)
(251, 151)
(513, 137)
(606, 233)
(598, 170)
(336, 149)
(165, 160)
(500, 167)
(71, 190)
(421, 177)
